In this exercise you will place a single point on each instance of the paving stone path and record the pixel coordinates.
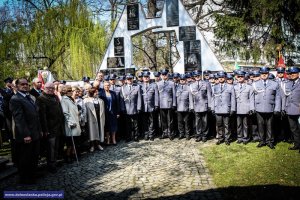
(161, 169)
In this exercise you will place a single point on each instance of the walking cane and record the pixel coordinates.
(75, 149)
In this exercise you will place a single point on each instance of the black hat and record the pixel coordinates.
(164, 71)
(211, 76)
(8, 80)
(229, 76)
(176, 75)
(256, 73)
(196, 73)
(121, 78)
(156, 74)
(112, 77)
(86, 79)
(106, 78)
(206, 72)
(188, 75)
(264, 70)
(129, 76)
(221, 74)
(170, 75)
(140, 74)
(280, 69)
(146, 74)
(271, 76)
(240, 73)
(291, 70)
(182, 76)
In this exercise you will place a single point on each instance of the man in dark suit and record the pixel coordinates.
(52, 122)
(36, 90)
(27, 131)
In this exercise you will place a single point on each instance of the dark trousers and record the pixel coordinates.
(184, 125)
(201, 125)
(121, 127)
(156, 122)
(281, 129)
(167, 122)
(295, 128)
(242, 128)
(264, 122)
(211, 124)
(254, 128)
(52, 149)
(27, 159)
(222, 125)
(132, 128)
(148, 127)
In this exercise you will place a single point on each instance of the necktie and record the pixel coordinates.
(241, 86)
(181, 87)
(293, 83)
(30, 99)
(265, 83)
(198, 84)
(129, 87)
(146, 86)
(221, 87)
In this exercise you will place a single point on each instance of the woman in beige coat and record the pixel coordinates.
(94, 118)
(72, 126)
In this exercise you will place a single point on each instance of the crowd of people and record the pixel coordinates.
(58, 119)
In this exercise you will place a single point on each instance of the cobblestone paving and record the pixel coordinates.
(161, 169)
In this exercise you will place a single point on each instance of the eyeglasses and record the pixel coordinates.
(23, 84)
(69, 91)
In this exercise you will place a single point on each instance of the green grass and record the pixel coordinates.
(247, 165)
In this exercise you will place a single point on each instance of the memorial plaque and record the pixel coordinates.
(172, 13)
(192, 55)
(133, 17)
(119, 46)
(115, 62)
(187, 33)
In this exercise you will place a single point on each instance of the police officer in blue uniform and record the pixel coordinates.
(291, 104)
(244, 107)
(131, 105)
(267, 101)
(224, 106)
(150, 104)
(167, 104)
(201, 105)
(184, 102)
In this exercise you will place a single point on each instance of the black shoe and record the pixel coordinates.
(260, 144)
(198, 139)
(181, 137)
(271, 146)
(171, 138)
(204, 140)
(136, 139)
(245, 142)
(219, 142)
(162, 137)
(146, 138)
(239, 142)
(227, 143)
(255, 141)
(52, 169)
(188, 138)
(151, 138)
(294, 148)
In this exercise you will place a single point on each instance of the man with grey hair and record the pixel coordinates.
(52, 123)
(36, 91)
